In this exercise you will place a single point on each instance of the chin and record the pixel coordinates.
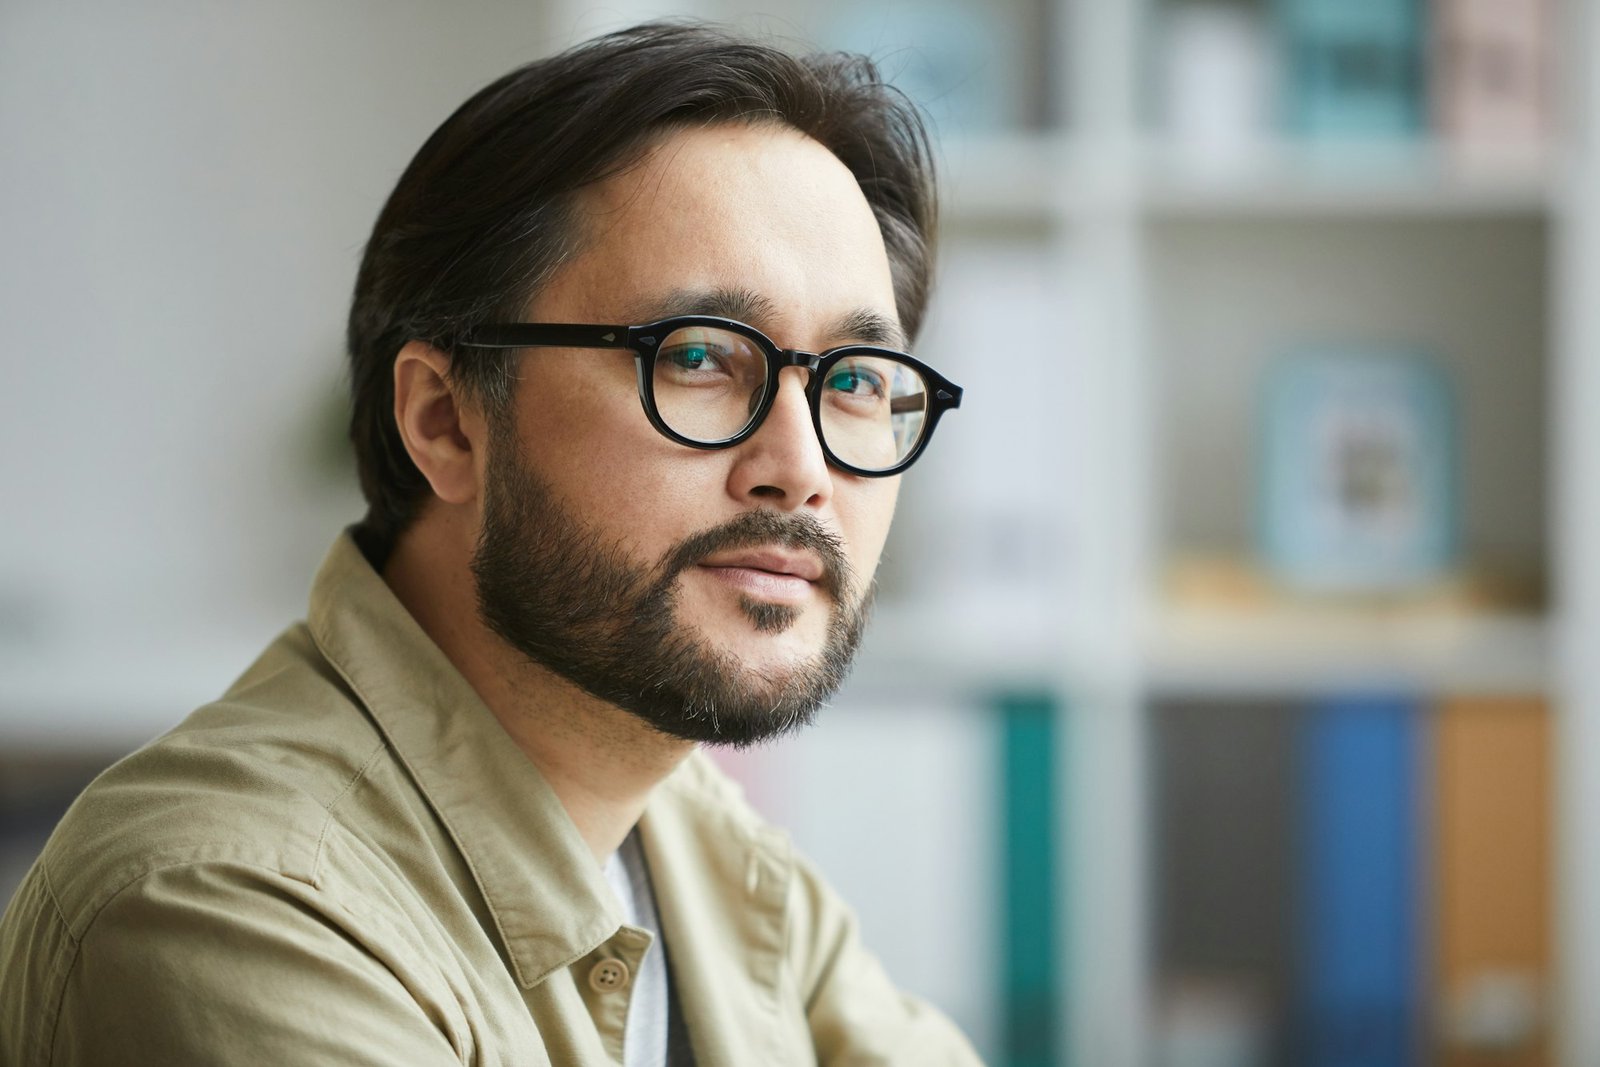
(782, 637)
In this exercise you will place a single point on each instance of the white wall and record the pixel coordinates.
(185, 189)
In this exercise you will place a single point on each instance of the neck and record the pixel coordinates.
(602, 762)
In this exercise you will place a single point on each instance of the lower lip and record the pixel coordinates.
(763, 584)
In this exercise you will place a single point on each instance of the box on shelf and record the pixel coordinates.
(1352, 68)
(1492, 76)
(1215, 83)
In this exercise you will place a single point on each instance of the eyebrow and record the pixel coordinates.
(862, 325)
(870, 327)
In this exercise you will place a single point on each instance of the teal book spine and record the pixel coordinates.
(1031, 871)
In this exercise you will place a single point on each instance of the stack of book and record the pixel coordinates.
(1369, 873)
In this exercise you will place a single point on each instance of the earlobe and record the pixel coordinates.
(436, 428)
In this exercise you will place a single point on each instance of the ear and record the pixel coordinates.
(442, 435)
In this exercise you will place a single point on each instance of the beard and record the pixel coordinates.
(556, 590)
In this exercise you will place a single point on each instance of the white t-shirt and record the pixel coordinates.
(644, 1040)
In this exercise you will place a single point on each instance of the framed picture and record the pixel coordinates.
(1358, 470)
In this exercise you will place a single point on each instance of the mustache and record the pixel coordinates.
(765, 527)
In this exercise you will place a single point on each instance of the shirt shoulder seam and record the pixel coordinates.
(55, 902)
(73, 940)
(315, 875)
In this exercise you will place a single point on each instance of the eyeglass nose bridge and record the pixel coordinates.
(788, 357)
(793, 357)
(782, 358)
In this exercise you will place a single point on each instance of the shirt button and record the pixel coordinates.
(608, 976)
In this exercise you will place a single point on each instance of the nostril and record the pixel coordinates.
(770, 491)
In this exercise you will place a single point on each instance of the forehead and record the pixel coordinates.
(732, 206)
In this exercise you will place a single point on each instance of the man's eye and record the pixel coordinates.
(691, 357)
(856, 381)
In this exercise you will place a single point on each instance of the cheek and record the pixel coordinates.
(596, 450)
(866, 510)
(580, 419)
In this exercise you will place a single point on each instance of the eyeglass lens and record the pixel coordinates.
(709, 383)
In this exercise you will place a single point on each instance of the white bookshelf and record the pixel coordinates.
(1452, 228)
(1492, 254)
(1042, 179)
(1574, 480)
(1294, 652)
(1380, 180)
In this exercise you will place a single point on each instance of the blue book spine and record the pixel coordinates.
(1353, 68)
(1361, 987)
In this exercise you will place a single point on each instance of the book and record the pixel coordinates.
(1493, 855)
(1030, 873)
(1223, 782)
(1360, 876)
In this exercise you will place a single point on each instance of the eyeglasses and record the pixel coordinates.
(708, 383)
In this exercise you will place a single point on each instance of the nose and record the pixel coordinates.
(781, 465)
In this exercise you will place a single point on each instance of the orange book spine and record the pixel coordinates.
(1494, 881)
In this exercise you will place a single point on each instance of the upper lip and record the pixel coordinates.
(800, 564)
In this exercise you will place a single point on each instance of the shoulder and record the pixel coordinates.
(208, 847)
(211, 960)
(252, 779)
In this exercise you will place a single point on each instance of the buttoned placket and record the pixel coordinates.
(606, 979)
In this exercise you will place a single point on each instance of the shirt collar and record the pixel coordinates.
(548, 897)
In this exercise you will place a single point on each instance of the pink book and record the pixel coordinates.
(1492, 73)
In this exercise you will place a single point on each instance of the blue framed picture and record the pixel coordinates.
(1358, 470)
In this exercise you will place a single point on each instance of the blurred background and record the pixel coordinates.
(1232, 700)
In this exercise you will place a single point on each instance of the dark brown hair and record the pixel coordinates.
(483, 215)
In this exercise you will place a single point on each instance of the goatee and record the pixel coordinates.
(573, 602)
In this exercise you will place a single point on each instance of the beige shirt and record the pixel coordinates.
(347, 861)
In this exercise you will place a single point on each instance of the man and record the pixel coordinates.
(630, 412)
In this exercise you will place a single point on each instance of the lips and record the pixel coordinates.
(771, 574)
(802, 565)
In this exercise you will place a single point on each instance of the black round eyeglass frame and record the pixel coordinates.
(645, 342)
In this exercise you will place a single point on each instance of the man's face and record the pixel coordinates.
(718, 594)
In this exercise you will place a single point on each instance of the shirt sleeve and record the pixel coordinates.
(232, 964)
(856, 1015)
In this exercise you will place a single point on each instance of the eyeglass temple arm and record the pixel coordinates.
(545, 335)
(949, 395)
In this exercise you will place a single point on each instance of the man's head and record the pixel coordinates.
(718, 594)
